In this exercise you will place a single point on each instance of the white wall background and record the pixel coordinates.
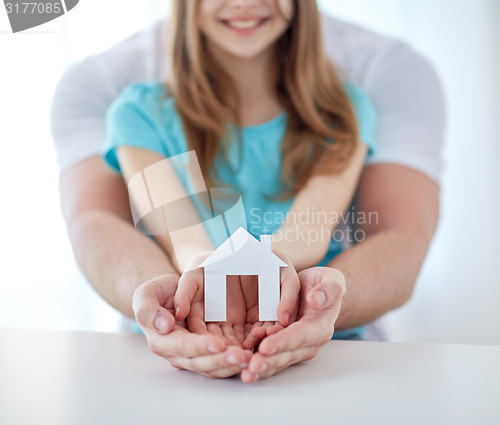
(457, 295)
(459, 288)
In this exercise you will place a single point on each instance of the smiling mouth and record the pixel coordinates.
(245, 24)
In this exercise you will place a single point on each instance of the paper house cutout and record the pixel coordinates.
(242, 254)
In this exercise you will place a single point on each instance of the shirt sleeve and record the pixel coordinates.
(77, 113)
(409, 103)
(365, 115)
(87, 88)
(131, 121)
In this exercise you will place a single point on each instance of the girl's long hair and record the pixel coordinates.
(322, 130)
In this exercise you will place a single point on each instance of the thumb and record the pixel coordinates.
(148, 306)
(328, 290)
(190, 284)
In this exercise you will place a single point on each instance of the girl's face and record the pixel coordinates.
(244, 28)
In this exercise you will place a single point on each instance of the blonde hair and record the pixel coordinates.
(322, 130)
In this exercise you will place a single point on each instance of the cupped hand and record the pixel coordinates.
(322, 290)
(209, 354)
(242, 327)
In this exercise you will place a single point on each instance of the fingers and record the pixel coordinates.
(253, 339)
(239, 333)
(258, 332)
(197, 325)
(249, 285)
(233, 356)
(261, 367)
(182, 343)
(222, 365)
(225, 372)
(232, 333)
(151, 316)
(290, 288)
(229, 334)
(323, 289)
(214, 328)
(324, 286)
(306, 332)
(190, 284)
(150, 301)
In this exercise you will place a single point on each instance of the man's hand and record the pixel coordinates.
(209, 355)
(322, 290)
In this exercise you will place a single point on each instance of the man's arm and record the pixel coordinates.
(118, 261)
(380, 271)
(366, 281)
(132, 273)
(113, 255)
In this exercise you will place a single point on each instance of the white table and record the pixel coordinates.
(72, 378)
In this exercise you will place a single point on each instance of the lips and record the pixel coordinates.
(244, 24)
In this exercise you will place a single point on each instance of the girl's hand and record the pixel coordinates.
(189, 304)
(189, 307)
(242, 330)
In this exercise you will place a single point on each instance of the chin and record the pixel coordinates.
(245, 52)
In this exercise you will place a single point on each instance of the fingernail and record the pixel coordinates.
(263, 367)
(319, 298)
(287, 318)
(231, 358)
(176, 311)
(243, 365)
(161, 323)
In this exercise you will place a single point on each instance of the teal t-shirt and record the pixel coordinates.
(141, 117)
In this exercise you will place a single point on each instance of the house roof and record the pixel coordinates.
(241, 245)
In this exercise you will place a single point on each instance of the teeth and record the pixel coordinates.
(243, 25)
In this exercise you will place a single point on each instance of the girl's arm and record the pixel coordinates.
(306, 233)
(195, 239)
